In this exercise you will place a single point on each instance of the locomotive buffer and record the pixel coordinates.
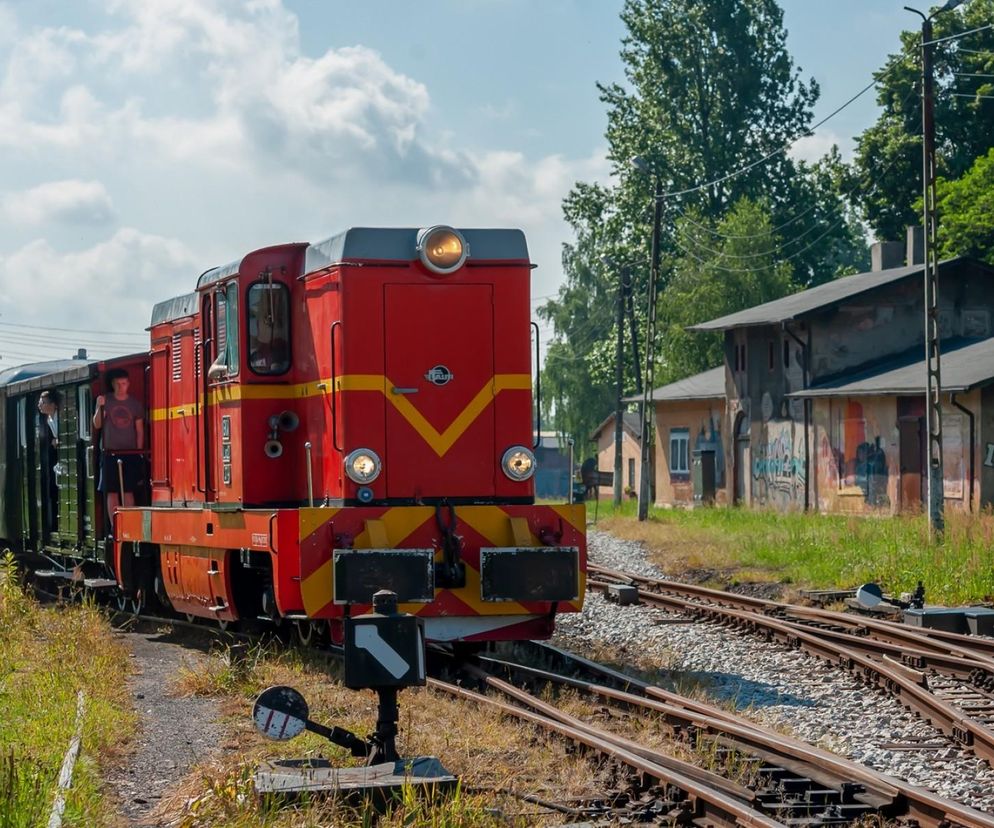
(384, 651)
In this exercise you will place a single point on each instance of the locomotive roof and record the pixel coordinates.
(387, 244)
(175, 308)
(399, 243)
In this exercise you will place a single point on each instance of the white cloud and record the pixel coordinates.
(71, 200)
(111, 285)
(812, 148)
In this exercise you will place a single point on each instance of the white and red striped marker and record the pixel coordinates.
(280, 713)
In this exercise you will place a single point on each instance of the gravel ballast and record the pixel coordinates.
(775, 686)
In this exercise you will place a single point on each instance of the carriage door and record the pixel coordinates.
(439, 369)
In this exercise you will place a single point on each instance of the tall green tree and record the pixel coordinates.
(966, 212)
(710, 89)
(887, 180)
(740, 271)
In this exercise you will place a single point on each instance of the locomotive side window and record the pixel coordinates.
(269, 328)
(226, 325)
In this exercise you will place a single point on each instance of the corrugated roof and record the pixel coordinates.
(964, 366)
(629, 420)
(703, 386)
(807, 301)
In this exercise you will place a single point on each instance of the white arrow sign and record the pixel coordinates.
(367, 637)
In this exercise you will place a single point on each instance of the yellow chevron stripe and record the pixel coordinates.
(315, 589)
(440, 442)
(311, 519)
(398, 523)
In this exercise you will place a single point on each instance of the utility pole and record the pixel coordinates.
(650, 335)
(933, 384)
(619, 376)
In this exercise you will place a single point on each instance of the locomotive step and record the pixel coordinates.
(99, 583)
(64, 574)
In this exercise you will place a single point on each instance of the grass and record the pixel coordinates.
(46, 656)
(487, 751)
(817, 551)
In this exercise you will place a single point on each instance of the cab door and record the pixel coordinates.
(439, 366)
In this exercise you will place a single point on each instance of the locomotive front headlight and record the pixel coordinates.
(362, 466)
(518, 463)
(442, 249)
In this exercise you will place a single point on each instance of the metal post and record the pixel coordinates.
(569, 442)
(650, 350)
(933, 385)
(310, 474)
(619, 376)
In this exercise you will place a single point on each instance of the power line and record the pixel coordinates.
(721, 235)
(31, 339)
(972, 75)
(958, 36)
(967, 95)
(71, 330)
(807, 133)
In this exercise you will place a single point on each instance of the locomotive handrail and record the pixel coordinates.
(538, 390)
(334, 390)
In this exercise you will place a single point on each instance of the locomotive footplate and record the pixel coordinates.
(529, 573)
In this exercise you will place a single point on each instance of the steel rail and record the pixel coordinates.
(927, 807)
(896, 678)
(717, 805)
(951, 644)
(800, 757)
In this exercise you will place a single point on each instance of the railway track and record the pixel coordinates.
(789, 782)
(946, 679)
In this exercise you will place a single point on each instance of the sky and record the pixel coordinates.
(145, 141)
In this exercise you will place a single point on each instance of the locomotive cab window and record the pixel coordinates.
(226, 333)
(269, 328)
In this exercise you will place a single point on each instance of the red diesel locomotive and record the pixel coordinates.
(323, 421)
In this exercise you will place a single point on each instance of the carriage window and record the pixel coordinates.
(84, 400)
(22, 426)
(269, 328)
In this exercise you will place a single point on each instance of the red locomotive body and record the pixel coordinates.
(331, 419)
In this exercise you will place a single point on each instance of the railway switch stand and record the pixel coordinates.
(384, 651)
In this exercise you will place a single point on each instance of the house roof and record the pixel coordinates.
(706, 385)
(629, 421)
(965, 364)
(808, 301)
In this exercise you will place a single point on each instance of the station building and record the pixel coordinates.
(820, 402)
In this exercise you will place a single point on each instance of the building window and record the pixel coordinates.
(679, 451)
(631, 472)
(772, 355)
(786, 354)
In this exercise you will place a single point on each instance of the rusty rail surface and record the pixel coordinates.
(873, 659)
(719, 802)
(891, 797)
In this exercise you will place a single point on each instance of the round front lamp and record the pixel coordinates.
(442, 250)
(362, 466)
(518, 463)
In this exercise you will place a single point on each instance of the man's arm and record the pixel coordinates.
(98, 415)
(140, 434)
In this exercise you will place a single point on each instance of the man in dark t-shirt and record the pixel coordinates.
(122, 422)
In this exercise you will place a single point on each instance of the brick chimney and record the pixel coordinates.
(885, 255)
(916, 246)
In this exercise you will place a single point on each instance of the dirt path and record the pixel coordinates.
(174, 732)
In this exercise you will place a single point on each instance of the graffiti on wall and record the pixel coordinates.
(953, 451)
(779, 469)
(861, 458)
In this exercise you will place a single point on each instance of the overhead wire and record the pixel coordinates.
(73, 330)
(958, 35)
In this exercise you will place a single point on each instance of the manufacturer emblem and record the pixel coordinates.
(439, 375)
